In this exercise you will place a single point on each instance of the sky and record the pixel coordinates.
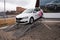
(12, 4)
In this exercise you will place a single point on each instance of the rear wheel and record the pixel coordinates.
(31, 20)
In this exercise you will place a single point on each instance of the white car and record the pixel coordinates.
(29, 15)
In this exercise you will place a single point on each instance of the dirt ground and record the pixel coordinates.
(39, 31)
(42, 32)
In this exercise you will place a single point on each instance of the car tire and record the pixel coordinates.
(31, 20)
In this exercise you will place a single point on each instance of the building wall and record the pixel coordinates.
(19, 9)
(51, 15)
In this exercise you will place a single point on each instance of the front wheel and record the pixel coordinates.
(31, 20)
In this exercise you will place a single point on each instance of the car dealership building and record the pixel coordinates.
(50, 14)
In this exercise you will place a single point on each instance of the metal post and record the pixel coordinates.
(4, 12)
(4, 5)
(4, 9)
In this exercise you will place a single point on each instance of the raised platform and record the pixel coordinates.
(51, 15)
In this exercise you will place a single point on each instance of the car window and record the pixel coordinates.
(28, 11)
(34, 11)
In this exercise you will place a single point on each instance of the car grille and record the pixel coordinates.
(18, 18)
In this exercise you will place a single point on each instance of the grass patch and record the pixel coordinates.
(7, 21)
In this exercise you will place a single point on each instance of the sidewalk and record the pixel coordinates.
(51, 15)
(50, 19)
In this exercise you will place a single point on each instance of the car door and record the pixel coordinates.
(35, 13)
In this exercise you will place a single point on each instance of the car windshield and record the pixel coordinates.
(28, 11)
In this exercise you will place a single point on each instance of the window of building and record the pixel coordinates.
(51, 6)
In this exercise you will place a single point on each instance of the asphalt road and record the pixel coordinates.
(39, 30)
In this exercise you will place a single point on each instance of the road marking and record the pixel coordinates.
(47, 26)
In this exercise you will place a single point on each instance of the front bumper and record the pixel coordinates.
(22, 21)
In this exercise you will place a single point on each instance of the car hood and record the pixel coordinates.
(23, 15)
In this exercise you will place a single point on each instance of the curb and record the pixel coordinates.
(4, 27)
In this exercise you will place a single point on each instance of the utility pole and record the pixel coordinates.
(5, 16)
(4, 5)
(4, 11)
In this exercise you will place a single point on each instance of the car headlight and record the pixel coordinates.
(25, 17)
